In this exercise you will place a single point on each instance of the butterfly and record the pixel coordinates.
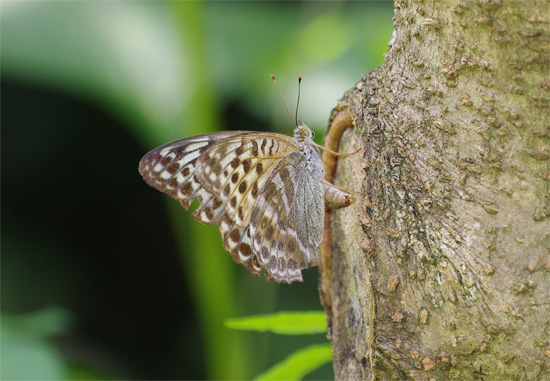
(266, 191)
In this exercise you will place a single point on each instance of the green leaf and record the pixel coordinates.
(299, 364)
(283, 323)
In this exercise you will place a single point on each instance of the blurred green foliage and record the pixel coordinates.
(303, 361)
(163, 70)
(27, 352)
(299, 363)
(283, 323)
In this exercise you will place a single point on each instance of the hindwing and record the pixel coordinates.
(287, 222)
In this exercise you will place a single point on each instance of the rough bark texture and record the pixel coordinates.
(447, 274)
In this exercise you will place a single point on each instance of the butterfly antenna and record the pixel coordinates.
(283, 98)
(298, 101)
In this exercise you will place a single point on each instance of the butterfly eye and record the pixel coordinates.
(305, 132)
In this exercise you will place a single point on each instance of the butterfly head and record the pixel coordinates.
(302, 132)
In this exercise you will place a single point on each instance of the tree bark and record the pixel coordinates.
(443, 270)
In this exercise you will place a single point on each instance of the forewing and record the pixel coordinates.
(172, 168)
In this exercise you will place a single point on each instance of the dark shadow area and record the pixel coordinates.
(81, 230)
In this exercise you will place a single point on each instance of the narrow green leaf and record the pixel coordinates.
(283, 323)
(299, 364)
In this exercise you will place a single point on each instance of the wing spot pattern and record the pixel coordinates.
(245, 249)
(226, 190)
(269, 233)
(240, 149)
(173, 183)
(217, 203)
(187, 189)
(173, 168)
(235, 162)
(246, 165)
(242, 187)
(255, 148)
(291, 246)
(272, 261)
(264, 253)
(254, 190)
(235, 235)
(259, 168)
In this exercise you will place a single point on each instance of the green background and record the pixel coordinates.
(102, 276)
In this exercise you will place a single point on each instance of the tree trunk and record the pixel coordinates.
(443, 270)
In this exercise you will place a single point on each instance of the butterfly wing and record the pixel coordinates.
(226, 172)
